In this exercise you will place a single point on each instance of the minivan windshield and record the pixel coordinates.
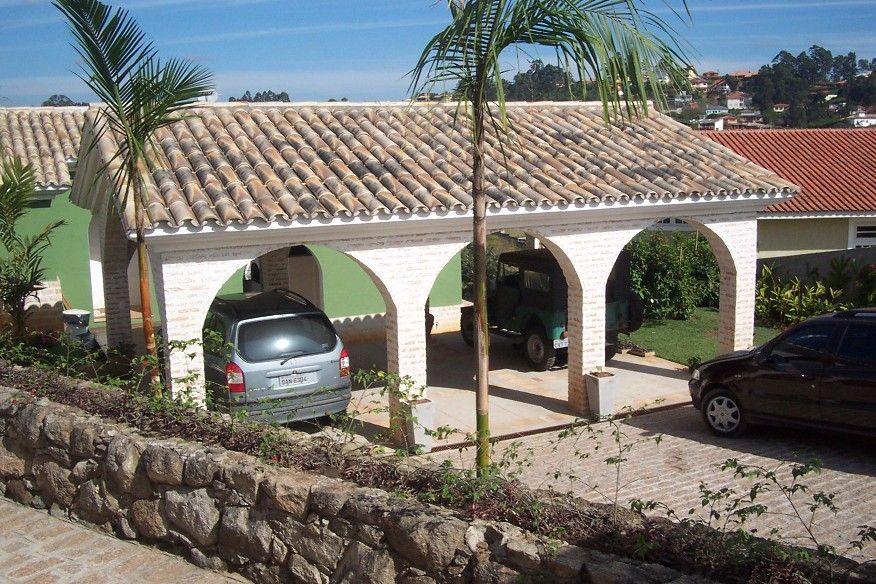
(285, 337)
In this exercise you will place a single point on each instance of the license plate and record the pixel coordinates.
(295, 379)
(561, 343)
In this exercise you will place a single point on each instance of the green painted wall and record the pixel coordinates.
(781, 237)
(348, 290)
(67, 257)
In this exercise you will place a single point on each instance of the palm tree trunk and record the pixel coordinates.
(482, 333)
(146, 296)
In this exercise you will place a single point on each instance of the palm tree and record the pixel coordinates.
(617, 45)
(21, 270)
(140, 94)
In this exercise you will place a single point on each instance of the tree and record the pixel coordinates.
(614, 43)
(262, 96)
(21, 270)
(140, 94)
(58, 100)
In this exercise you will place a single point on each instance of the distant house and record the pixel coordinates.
(738, 100)
(718, 87)
(715, 124)
(710, 75)
(862, 120)
(744, 75)
(699, 84)
(836, 208)
(716, 110)
(781, 108)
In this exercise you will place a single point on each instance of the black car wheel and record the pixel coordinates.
(539, 350)
(723, 414)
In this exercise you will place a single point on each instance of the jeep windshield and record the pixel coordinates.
(275, 339)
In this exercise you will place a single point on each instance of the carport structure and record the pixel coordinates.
(388, 185)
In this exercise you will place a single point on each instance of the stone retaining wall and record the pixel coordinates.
(228, 511)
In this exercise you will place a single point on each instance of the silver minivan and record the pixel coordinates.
(275, 356)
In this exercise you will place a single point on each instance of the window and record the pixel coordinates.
(536, 281)
(806, 343)
(858, 346)
(292, 336)
(862, 235)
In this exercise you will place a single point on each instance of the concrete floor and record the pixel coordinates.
(521, 400)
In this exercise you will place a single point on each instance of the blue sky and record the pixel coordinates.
(362, 49)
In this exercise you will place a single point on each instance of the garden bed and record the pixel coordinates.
(730, 557)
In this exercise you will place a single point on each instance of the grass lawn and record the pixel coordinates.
(679, 340)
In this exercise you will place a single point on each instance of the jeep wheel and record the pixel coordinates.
(467, 326)
(540, 352)
(610, 352)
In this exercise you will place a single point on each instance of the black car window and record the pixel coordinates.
(810, 342)
(858, 346)
(292, 336)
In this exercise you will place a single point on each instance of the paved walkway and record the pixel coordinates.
(38, 548)
(687, 454)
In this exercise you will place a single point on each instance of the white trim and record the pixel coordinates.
(819, 215)
(192, 237)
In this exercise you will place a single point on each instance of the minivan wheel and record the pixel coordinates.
(723, 414)
(540, 353)
(467, 327)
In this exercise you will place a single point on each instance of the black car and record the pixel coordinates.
(820, 373)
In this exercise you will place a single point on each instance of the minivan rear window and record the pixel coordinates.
(289, 336)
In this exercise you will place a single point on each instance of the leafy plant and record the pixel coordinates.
(21, 269)
(140, 94)
(674, 273)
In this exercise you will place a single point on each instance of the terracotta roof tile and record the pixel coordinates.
(44, 138)
(836, 169)
(231, 164)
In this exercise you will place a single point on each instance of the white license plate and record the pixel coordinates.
(561, 343)
(295, 379)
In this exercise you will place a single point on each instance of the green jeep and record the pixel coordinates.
(528, 300)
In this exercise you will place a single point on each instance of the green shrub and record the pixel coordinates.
(674, 273)
(787, 301)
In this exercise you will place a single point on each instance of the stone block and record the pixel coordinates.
(195, 514)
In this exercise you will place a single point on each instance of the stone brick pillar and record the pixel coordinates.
(186, 284)
(404, 270)
(587, 253)
(735, 245)
(116, 252)
(275, 269)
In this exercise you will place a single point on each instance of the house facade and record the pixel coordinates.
(836, 170)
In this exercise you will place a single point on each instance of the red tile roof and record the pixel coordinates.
(835, 168)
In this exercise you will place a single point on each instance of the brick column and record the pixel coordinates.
(186, 284)
(735, 246)
(275, 269)
(587, 253)
(116, 252)
(404, 270)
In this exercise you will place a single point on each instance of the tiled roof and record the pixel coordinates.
(43, 137)
(836, 169)
(239, 164)
(242, 164)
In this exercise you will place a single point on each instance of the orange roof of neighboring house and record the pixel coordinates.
(835, 168)
(737, 95)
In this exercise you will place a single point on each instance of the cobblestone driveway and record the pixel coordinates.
(687, 454)
(37, 548)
